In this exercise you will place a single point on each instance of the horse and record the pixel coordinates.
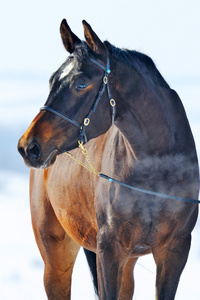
(114, 105)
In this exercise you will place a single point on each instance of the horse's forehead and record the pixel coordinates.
(67, 69)
(74, 62)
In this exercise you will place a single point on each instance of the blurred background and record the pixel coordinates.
(31, 49)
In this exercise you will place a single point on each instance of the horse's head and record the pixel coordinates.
(75, 90)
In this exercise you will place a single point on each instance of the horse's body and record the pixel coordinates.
(150, 145)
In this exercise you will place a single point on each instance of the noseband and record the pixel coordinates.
(86, 121)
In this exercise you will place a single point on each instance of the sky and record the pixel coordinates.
(31, 49)
(168, 31)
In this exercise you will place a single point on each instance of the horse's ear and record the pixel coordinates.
(68, 37)
(93, 40)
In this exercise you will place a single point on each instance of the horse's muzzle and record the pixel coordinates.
(31, 152)
(33, 155)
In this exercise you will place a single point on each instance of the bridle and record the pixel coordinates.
(82, 136)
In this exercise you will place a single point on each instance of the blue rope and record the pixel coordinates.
(162, 195)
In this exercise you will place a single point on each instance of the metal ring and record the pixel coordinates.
(86, 121)
(105, 80)
(112, 102)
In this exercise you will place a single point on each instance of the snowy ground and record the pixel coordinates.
(21, 267)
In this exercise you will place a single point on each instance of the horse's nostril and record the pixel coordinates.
(34, 151)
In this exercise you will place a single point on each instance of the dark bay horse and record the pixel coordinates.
(135, 129)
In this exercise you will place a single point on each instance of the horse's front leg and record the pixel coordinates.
(59, 262)
(110, 264)
(58, 250)
(127, 286)
(170, 261)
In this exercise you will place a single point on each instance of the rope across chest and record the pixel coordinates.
(91, 169)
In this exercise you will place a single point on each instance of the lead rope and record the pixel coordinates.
(90, 168)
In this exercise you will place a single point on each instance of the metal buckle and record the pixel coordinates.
(105, 80)
(86, 121)
(112, 102)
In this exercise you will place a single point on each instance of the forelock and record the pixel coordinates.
(83, 51)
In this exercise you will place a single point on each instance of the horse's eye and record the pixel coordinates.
(81, 86)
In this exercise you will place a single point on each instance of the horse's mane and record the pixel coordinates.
(141, 63)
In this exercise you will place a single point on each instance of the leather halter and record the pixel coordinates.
(86, 121)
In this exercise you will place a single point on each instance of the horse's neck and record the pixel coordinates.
(141, 115)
